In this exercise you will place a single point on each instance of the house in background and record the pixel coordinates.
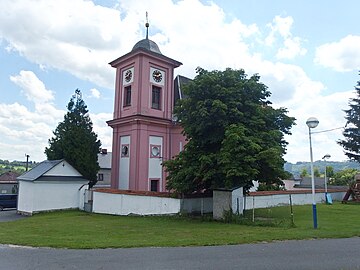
(104, 174)
(319, 182)
(51, 185)
(8, 183)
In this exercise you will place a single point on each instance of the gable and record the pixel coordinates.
(63, 169)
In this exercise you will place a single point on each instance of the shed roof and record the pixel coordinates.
(39, 170)
(42, 170)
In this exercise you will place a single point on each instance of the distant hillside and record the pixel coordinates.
(296, 169)
(15, 166)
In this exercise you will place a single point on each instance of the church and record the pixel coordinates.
(145, 132)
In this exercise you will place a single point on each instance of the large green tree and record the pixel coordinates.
(75, 141)
(351, 143)
(234, 135)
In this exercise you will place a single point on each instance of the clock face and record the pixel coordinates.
(128, 75)
(157, 76)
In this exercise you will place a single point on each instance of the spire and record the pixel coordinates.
(147, 26)
(146, 43)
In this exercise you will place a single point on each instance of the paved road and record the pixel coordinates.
(295, 255)
(9, 215)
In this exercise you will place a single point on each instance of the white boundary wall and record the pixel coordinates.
(123, 204)
(265, 201)
(126, 204)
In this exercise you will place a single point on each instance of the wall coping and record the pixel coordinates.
(152, 193)
(204, 195)
(303, 191)
(132, 192)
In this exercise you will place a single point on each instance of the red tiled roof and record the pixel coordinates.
(132, 192)
(152, 193)
(9, 177)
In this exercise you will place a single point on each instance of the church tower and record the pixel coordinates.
(144, 133)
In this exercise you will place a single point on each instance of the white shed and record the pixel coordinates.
(51, 185)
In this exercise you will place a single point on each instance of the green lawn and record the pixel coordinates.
(74, 229)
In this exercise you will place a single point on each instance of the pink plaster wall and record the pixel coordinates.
(141, 87)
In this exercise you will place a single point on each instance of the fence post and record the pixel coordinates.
(253, 213)
(202, 206)
(291, 211)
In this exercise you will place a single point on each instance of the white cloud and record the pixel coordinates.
(103, 131)
(328, 110)
(342, 56)
(292, 48)
(72, 35)
(24, 131)
(32, 87)
(56, 35)
(95, 93)
(280, 28)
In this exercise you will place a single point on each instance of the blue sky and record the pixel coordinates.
(306, 52)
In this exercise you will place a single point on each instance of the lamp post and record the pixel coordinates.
(312, 122)
(325, 158)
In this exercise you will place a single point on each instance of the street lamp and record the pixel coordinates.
(325, 158)
(312, 122)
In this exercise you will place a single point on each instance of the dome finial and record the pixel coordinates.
(147, 26)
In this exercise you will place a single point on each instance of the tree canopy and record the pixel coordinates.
(234, 135)
(75, 140)
(351, 143)
(344, 177)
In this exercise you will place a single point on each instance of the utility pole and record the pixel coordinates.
(27, 161)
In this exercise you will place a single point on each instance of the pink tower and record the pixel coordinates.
(144, 133)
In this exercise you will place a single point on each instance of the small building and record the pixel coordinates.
(8, 183)
(104, 174)
(227, 200)
(51, 185)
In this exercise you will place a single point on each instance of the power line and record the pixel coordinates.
(322, 131)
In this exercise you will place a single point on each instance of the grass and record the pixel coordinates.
(75, 229)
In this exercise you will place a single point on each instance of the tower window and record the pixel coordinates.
(156, 98)
(127, 96)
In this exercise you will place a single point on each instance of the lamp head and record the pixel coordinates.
(326, 156)
(312, 122)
